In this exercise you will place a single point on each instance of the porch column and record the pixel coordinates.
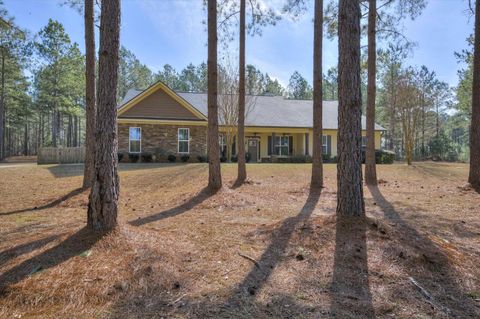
(306, 144)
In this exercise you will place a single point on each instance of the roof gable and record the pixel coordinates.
(158, 102)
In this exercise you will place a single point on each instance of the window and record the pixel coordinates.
(222, 141)
(281, 145)
(135, 140)
(184, 140)
(364, 141)
(324, 144)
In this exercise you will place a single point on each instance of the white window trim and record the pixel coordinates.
(278, 146)
(222, 140)
(325, 145)
(187, 140)
(129, 140)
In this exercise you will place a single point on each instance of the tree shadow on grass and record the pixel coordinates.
(74, 245)
(71, 170)
(350, 290)
(54, 203)
(26, 248)
(204, 194)
(241, 301)
(438, 277)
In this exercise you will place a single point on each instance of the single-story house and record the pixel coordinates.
(160, 120)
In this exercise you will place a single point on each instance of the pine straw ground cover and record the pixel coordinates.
(267, 249)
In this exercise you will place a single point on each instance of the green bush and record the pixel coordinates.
(147, 157)
(171, 158)
(223, 159)
(298, 159)
(384, 157)
(202, 158)
(185, 158)
(326, 158)
(120, 156)
(133, 157)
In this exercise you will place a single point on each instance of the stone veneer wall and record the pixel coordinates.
(161, 140)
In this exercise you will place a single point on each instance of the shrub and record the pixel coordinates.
(235, 158)
(159, 154)
(223, 159)
(384, 157)
(133, 157)
(147, 157)
(120, 156)
(334, 159)
(202, 158)
(381, 156)
(185, 158)
(326, 158)
(298, 159)
(171, 158)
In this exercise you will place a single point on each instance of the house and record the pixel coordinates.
(161, 121)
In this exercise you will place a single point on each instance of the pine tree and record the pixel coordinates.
(214, 175)
(317, 168)
(350, 201)
(103, 200)
(474, 173)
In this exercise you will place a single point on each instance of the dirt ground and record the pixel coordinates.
(268, 249)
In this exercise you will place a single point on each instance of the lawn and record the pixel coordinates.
(269, 248)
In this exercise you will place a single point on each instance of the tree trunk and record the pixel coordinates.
(474, 173)
(103, 200)
(90, 112)
(214, 175)
(350, 200)
(370, 166)
(54, 128)
(423, 127)
(75, 131)
(2, 110)
(393, 110)
(317, 168)
(70, 131)
(25, 139)
(242, 170)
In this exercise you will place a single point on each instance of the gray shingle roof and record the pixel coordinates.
(271, 111)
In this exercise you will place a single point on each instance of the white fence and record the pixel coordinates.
(61, 155)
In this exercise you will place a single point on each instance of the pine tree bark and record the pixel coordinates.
(54, 128)
(89, 94)
(317, 167)
(242, 170)
(370, 166)
(2, 110)
(392, 116)
(103, 200)
(25, 138)
(214, 175)
(350, 200)
(474, 173)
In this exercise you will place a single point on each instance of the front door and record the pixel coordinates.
(253, 149)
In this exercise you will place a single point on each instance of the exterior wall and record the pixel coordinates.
(161, 139)
(299, 140)
(161, 106)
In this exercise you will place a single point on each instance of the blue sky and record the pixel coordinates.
(171, 31)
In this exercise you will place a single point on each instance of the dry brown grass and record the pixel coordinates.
(176, 254)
